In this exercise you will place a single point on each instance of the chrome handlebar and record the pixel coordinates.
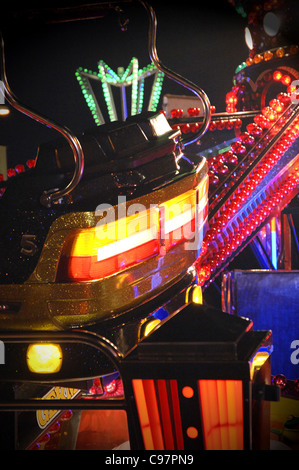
(152, 36)
(48, 197)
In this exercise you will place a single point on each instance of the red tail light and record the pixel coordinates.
(159, 414)
(97, 252)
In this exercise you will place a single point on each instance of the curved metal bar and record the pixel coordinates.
(52, 195)
(174, 76)
(64, 336)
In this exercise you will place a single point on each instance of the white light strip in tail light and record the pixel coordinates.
(127, 243)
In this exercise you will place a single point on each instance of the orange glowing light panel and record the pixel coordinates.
(222, 414)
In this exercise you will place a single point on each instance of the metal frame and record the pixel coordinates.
(53, 195)
(152, 38)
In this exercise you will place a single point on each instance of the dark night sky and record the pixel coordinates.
(203, 44)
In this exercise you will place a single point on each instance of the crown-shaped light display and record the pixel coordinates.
(132, 77)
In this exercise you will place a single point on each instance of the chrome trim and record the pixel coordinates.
(48, 197)
(152, 35)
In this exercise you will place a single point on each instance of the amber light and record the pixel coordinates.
(216, 256)
(44, 358)
(222, 414)
(258, 361)
(148, 327)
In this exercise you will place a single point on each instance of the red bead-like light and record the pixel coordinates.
(11, 172)
(30, 163)
(213, 126)
(193, 111)
(277, 105)
(20, 168)
(176, 113)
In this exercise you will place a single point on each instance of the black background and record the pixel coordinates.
(203, 42)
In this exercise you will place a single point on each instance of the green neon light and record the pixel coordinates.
(140, 95)
(107, 92)
(131, 76)
(89, 96)
(156, 92)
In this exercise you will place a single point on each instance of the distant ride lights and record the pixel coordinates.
(247, 94)
(226, 234)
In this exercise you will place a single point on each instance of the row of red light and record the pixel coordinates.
(220, 164)
(20, 168)
(232, 97)
(265, 165)
(220, 124)
(235, 203)
(216, 257)
(192, 111)
(224, 124)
